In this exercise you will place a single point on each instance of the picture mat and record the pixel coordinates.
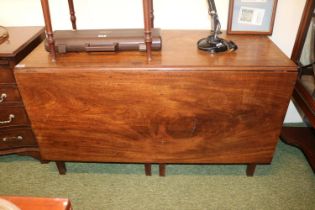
(259, 9)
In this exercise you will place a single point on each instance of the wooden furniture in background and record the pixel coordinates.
(303, 95)
(33, 203)
(148, 25)
(186, 106)
(16, 135)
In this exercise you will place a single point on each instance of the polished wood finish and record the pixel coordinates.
(16, 136)
(150, 114)
(186, 106)
(148, 24)
(6, 75)
(21, 42)
(148, 14)
(179, 53)
(303, 138)
(49, 30)
(13, 116)
(9, 94)
(33, 203)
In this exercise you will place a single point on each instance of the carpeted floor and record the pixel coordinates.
(288, 183)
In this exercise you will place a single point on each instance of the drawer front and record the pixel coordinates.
(9, 94)
(13, 116)
(15, 138)
(6, 76)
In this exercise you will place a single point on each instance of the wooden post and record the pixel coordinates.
(61, 167)
(48, 28)
(162, 169)
(250, 170)
(147, 169)
(72, 15)
(147, 8)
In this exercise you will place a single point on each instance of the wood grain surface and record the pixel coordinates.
(157, 116)
(186, 106)
(6, 76)
(20, 116)
(12, 94)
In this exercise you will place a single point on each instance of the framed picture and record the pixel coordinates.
(251, 16)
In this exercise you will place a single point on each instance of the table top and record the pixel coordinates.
(19, 37)
(179, 52)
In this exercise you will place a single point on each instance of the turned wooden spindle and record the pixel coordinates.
(48, 28)
(148, 25)
(147, 8)
(72, 15)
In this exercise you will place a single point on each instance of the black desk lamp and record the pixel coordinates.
(214, 44)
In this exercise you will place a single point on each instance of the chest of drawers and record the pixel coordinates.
(185, 106)
(16, 135)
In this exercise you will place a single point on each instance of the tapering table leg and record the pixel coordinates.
(61, 167)
(72, 15)
(147, 8)
(162, 169)
(48, 27)
(250, 169)
(147, 169)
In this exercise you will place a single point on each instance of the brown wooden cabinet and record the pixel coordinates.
(16, 135)
(185, 106)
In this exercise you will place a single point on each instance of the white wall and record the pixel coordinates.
(287, 21)
(169, 14)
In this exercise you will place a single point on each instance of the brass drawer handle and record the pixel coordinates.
(17, 138)
(11, 117)
(2, 97)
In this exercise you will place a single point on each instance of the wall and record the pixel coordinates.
(288, 18)
(169, 14)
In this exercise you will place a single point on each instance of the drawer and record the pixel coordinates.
(9, 94)
(6, 76)
(13, 116)
(15, 138)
